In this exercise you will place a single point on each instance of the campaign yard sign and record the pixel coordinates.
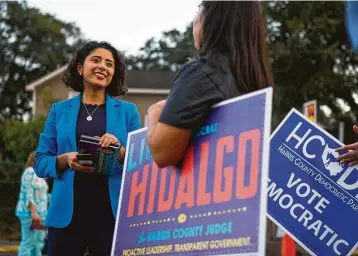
(310, 194)
(214, 203)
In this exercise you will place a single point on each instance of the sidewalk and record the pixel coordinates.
(8, 247)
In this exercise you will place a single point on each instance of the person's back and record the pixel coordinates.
(231, 41)
(197, 86)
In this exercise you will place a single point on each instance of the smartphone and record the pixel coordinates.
(85, 159)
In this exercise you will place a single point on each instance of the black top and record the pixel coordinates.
(196, 88)
(91, 190)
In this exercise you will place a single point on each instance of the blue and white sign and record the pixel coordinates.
(310, 194)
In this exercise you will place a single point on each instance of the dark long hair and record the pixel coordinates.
(235, 29)
(73, 80)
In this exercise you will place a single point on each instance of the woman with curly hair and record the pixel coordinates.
(83, 202)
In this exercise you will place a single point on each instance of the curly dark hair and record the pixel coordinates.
(72, 79)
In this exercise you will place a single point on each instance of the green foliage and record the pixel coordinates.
(311, 58)
(21, 138)
(10, 176)
(167, 53)
(31, 45)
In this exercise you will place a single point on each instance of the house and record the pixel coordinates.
(144, 89)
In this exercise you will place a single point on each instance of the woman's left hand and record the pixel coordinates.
(107, 140)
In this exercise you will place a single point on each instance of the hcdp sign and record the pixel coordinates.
(331, 163)
(311, 196)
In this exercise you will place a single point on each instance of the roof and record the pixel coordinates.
(150, 79)
(147, 82)
(44, 79)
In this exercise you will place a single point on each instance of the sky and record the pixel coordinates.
(125, 24)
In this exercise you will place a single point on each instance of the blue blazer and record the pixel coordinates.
(59, 137)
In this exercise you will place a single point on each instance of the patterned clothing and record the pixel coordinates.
(32, 241)
(33, 189)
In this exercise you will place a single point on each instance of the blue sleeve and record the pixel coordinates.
(352, 23)
(134, 124)
(135, 120)
(46, 152)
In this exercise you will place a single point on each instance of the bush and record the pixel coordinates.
(10, 178)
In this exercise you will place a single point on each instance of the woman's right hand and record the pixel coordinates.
(36, 221)
(69, 160)
(75, 165)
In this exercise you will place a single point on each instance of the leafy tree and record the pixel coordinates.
(31, 45)
(311, 58)
(166, 53)
(19, 137)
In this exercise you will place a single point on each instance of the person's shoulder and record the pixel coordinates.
(193, 65)
(195, 71)
(129, 106)
(64, 103)
(195, 62)
(28, 172)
